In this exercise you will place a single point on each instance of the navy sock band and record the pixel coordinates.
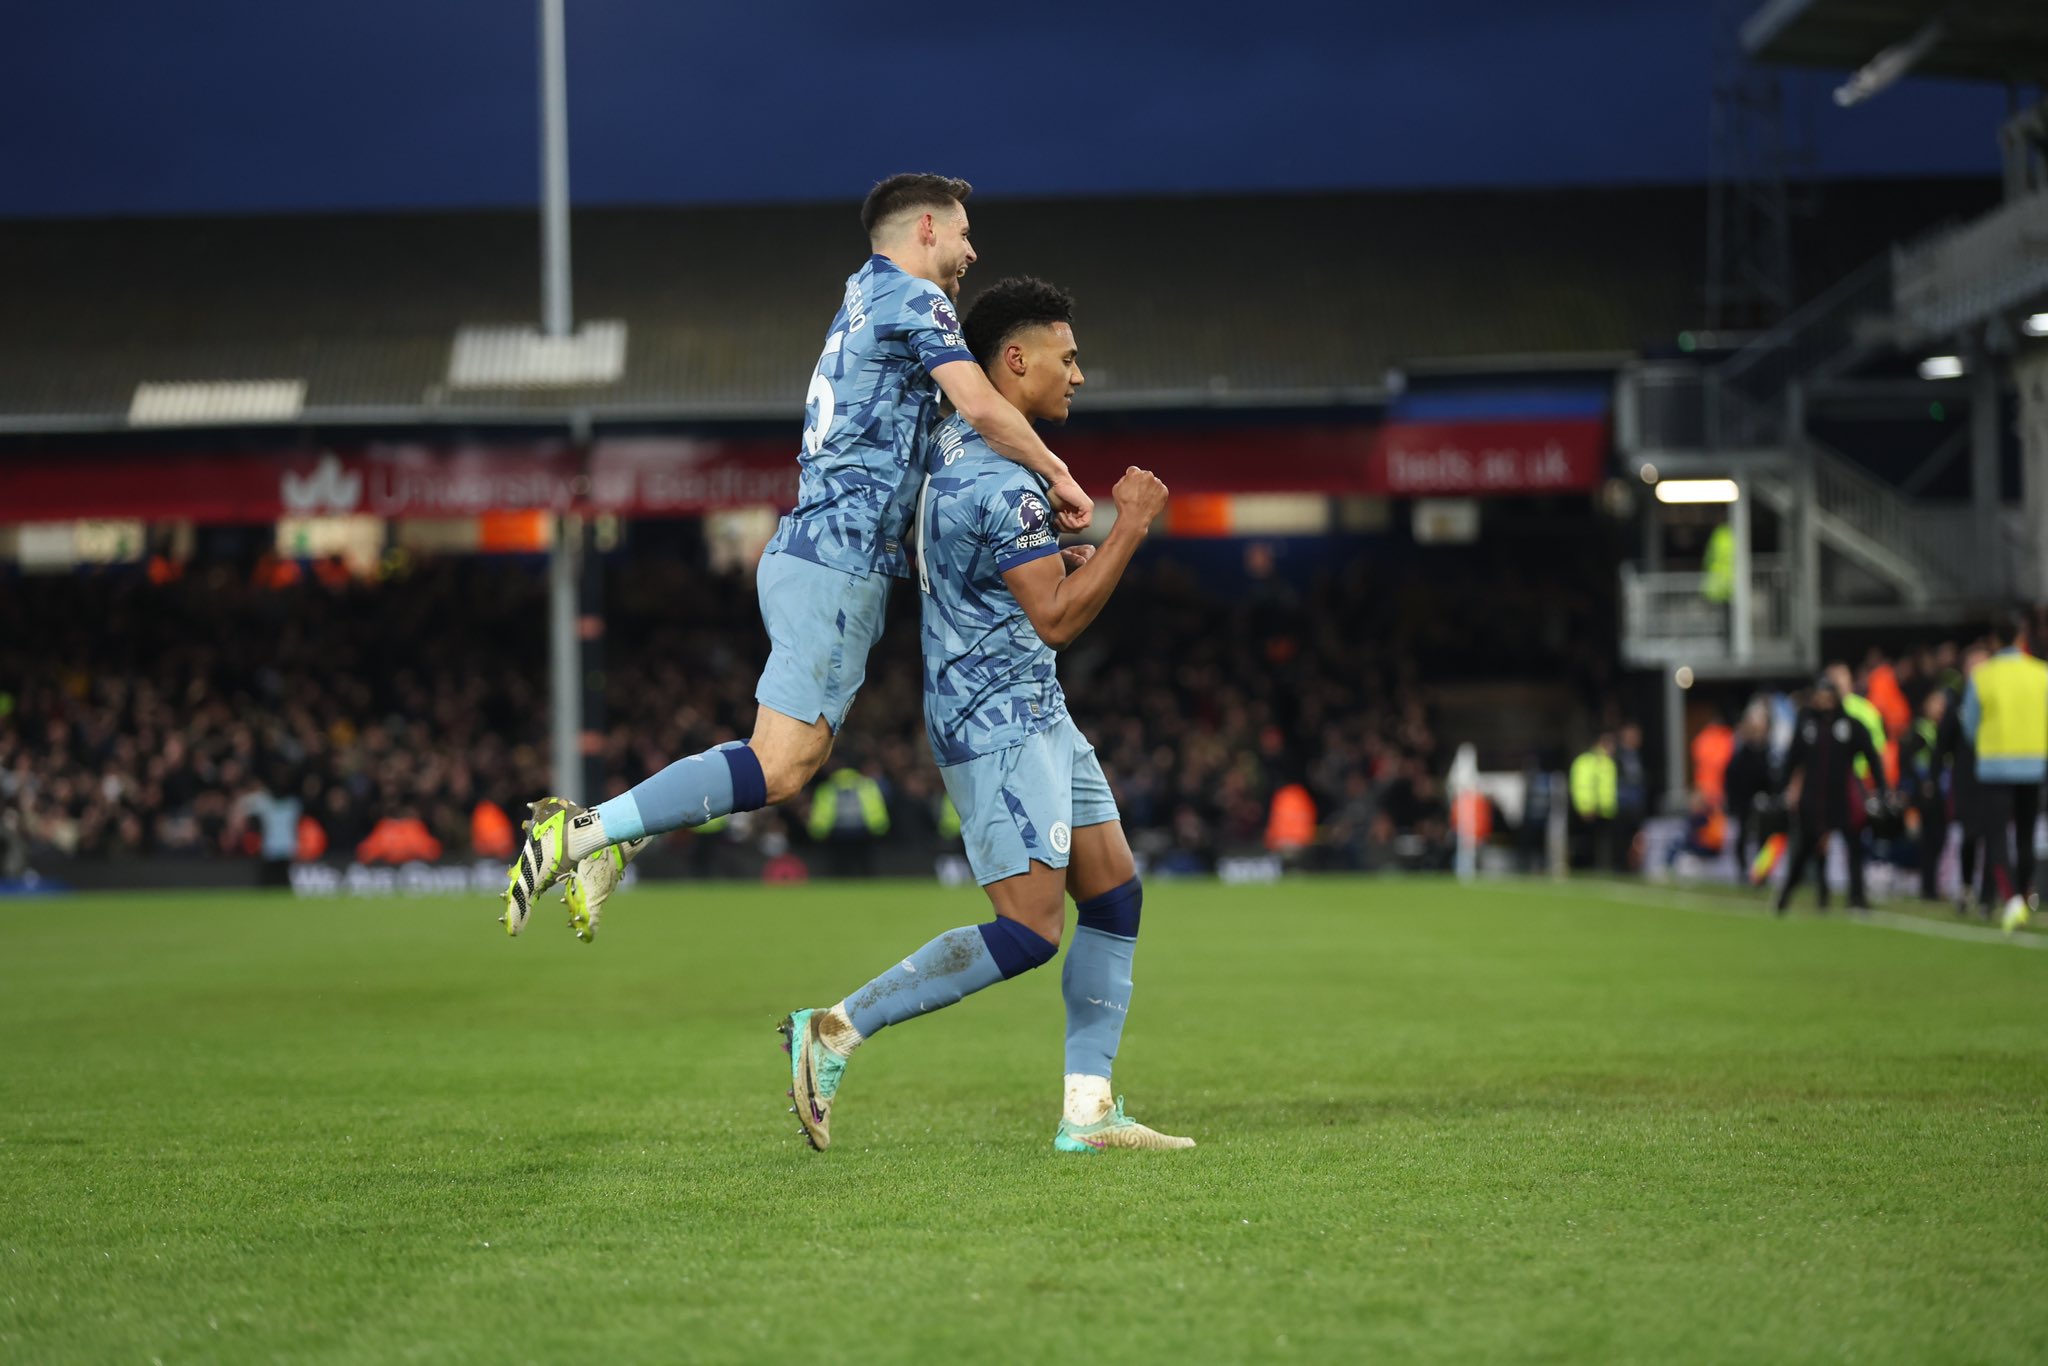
(1015, 948)
(1114, 912)
(749, 786)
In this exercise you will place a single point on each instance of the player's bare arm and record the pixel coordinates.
(968, 389)
(1061, 604)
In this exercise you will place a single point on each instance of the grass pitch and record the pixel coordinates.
(1518, 1123)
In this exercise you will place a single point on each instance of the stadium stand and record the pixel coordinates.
(1188, 302)
(176, 714)
(161, 718)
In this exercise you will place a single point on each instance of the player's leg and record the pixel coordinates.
(1795, 865)
(1001, 799)
(691, 792)
(1095, 980)
(2026, 814)
(1852, 845)
(1933, 841)
(1966, 858)
(1820, 868)
(821, 624)
(2002, 843)
(1097, 977)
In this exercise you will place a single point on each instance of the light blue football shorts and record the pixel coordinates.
(821, 624)
(1024, 803)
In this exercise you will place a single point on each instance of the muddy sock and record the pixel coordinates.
(956, 964)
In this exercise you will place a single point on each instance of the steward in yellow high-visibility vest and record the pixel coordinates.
(1717, 575)
(848, 804)
(1595, 785)
(1861, 710)
(2005, 713)
(1595, 782)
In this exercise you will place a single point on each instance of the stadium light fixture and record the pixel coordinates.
(1648, 473)
(1883, 71)
(215, 402)
(1941, 367)
(1698, 491)
(1683, 676)
(522, 358)
(2035, 325)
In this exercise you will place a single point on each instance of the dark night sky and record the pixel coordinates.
(255, 105)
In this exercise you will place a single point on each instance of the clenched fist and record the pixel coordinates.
(1076, 509)
(1140, 495)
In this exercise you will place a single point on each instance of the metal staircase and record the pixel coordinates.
(1894, 556)
(1927, 557)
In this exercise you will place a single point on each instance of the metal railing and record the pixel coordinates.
(1665, 620)
(1942, 549)
(1682, 407)
(1995, 263)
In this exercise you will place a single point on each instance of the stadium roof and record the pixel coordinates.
(1301, 300)
(1984, 40)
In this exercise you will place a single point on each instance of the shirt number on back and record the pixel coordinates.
(819, 426)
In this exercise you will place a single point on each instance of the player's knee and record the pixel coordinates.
(1016, 947)
(1115, 911)
(785, 774)
(784, 781)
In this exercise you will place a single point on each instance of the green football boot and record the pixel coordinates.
(543, 859)
(1113, 1130)
(592, 884)
(2016, 915)
(814, 1072)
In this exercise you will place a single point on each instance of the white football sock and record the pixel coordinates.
(1088, 1098)
(836, 1031)
(586, 834)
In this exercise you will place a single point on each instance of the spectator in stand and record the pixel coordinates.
(145, 704)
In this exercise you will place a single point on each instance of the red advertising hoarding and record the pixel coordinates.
(683, 476)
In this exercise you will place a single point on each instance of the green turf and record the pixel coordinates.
(1521, 1123)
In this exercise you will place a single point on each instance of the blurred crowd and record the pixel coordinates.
(225, 712)
(1883, 755)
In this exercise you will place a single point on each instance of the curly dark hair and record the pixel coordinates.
(1009, 306)
(913, 190)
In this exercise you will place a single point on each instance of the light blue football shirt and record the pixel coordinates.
(989, 681)
(869, 416)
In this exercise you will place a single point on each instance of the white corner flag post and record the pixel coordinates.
(1464, 778)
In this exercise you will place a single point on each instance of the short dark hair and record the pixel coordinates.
(913, 190)
(2009, 627)
(1009, 306)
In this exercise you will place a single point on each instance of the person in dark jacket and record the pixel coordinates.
(1748, 781)
(1826, 744)
(1925, 778)
(1967, 803)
